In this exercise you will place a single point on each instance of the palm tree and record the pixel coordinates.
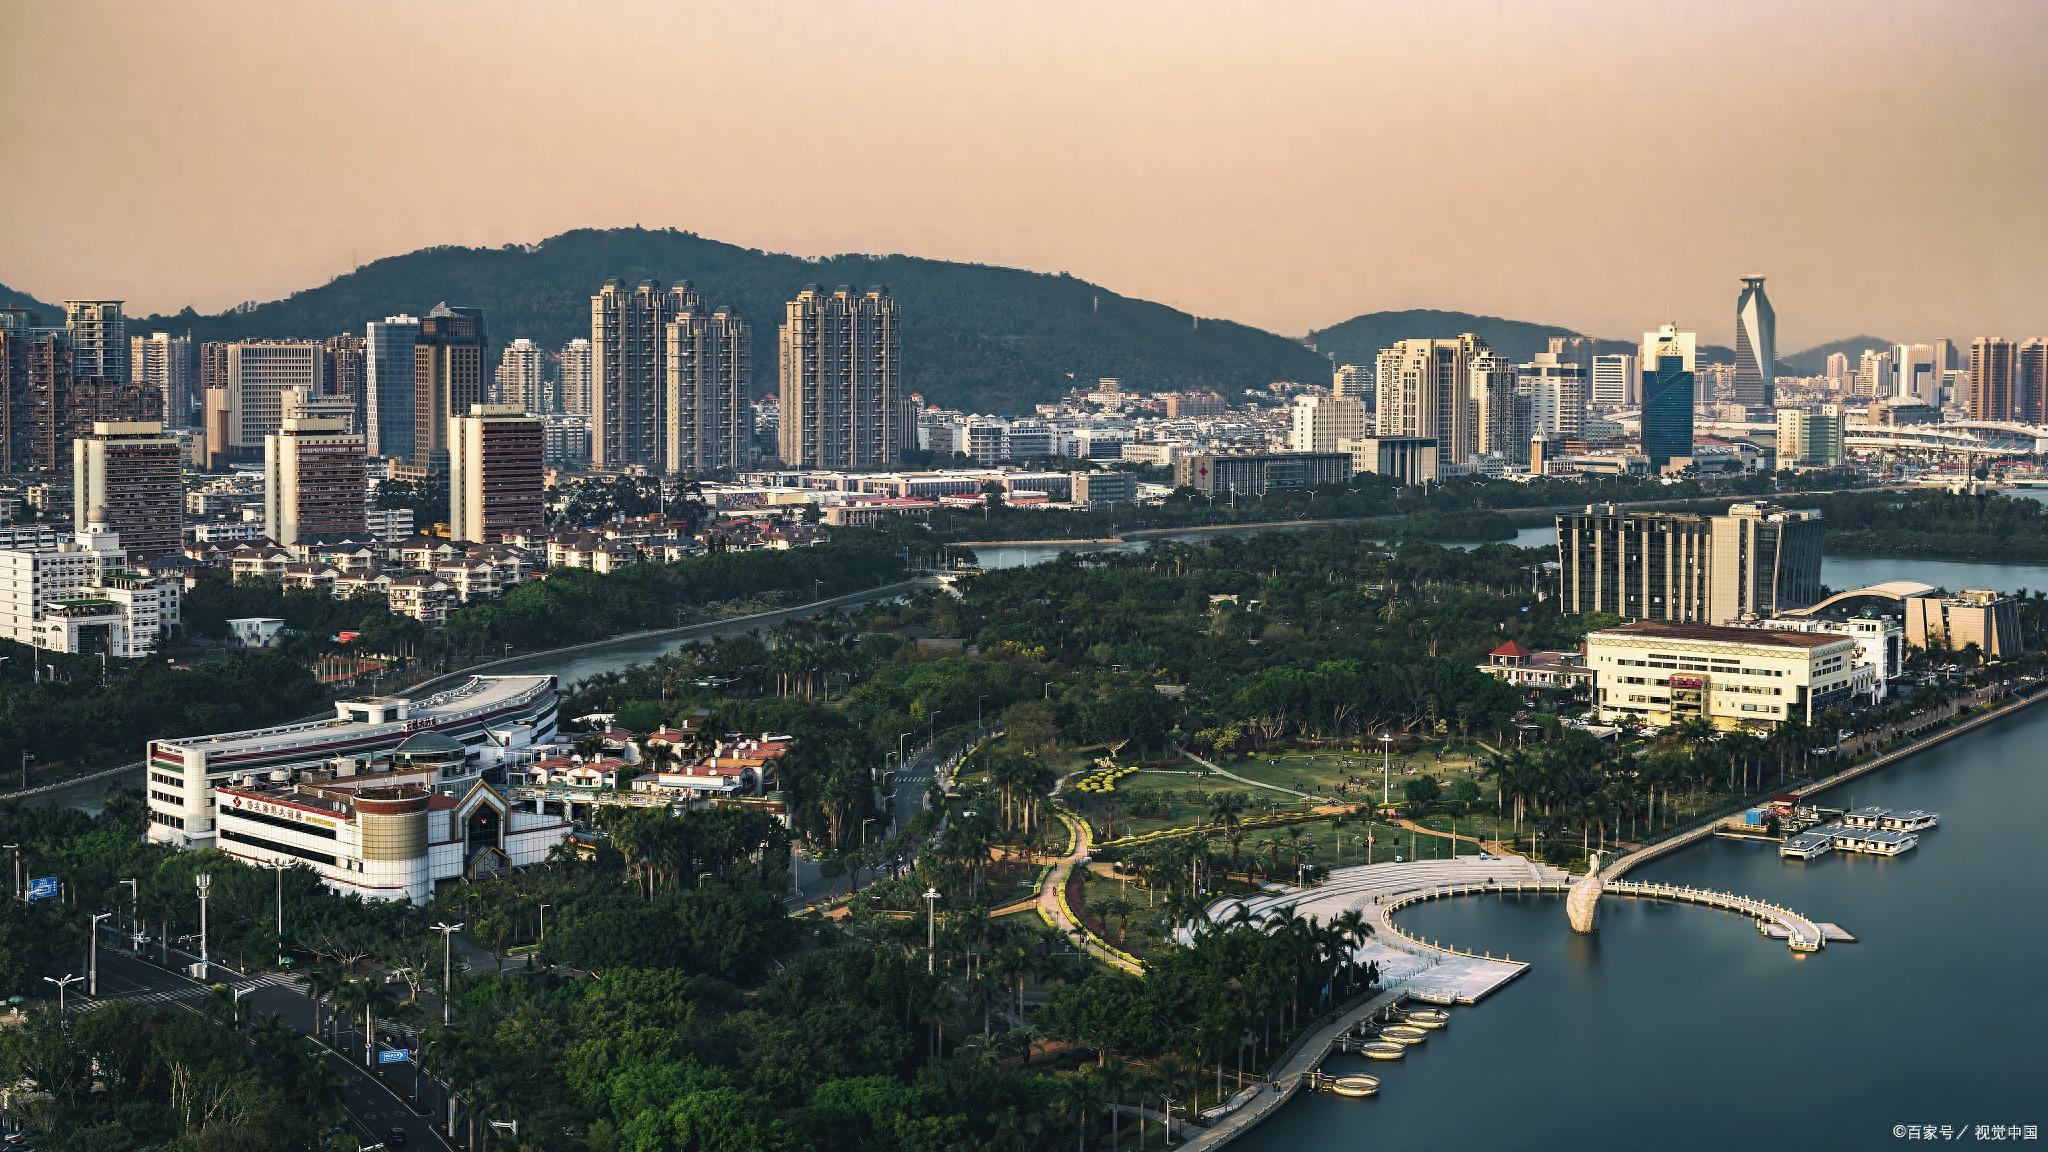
(1115, 1078)
(1079, 1095)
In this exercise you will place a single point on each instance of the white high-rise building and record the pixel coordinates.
(519, 381)
(1424, 391)
(1320, 422)
(1875, 375)
(1615, 383)
(1756, 346)
(388, 375)
(164, 362)
(574, 385)
(260, 373)
(1557, 395)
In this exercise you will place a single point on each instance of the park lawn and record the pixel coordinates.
(1153, 799)
(1143, 931)
(1327, 773)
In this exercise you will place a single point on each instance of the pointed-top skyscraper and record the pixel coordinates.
(1756, 346)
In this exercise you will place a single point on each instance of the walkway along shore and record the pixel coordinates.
(2034, 694)
(1287, 1075)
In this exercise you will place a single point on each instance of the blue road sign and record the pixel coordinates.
(42, 887)
(393, 1055)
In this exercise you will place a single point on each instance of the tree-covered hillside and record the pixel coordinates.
(995, 339)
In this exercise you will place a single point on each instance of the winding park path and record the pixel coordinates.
(1052, 904)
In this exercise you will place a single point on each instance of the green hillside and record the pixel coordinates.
(992, 339)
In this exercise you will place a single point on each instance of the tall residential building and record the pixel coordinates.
(519, 378)
(387, 385)
(1424, 391)
(495, 473)
(1914, 376)
(447, 378)
(260, 372)
(1992, 378)
(1756, 346)
(575, 378)
(17, 410)
(60, 406)
(1811, 437)
(99, 339)
(845, 403)
(315, 480)
(1838, 367)
(1355, 381)
(1756, 560)
(626, 335)
(1875, 375)
(164, 362)
(1615, 382)
(1556, 392)
(129, 476)
(348, 376)
(1667, 395)
(2030, 382)
(708, 379)
(1320, 422)
(1500, 417)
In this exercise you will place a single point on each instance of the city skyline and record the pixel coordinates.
(1261, 198)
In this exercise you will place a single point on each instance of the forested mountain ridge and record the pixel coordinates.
(979, 336)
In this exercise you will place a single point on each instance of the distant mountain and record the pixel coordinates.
(1814, 361)
(976, 336)
(45, 313)
(1359, 339)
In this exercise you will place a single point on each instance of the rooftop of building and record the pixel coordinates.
(1718, 634)
(478, 693)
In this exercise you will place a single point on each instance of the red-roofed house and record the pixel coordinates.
(1524, 668)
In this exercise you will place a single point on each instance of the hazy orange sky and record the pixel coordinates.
(1602, 165)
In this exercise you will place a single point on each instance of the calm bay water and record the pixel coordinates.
(1683, 1028)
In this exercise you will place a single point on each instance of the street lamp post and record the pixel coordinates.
(16, 849)
(25, 758)
(865, 821)
(932, 737)
(205, 881)
(931, 929)
(543, 924)
(280, 867)
(447, 932)
(92, 955)
(66, 982)
(134, 912)
(1386, 767)
(1167, 1112)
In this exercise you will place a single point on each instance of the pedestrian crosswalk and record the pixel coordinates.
(189, 992)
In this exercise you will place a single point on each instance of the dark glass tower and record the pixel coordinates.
(1667, 395)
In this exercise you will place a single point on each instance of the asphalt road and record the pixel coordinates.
(374, 1106)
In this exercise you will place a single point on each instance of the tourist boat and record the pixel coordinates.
(1426, 1017)
(1355, 1085)
(1807, 845)
(1404, 1034)
(1875, 841)
(1884, 819)
(1382, 1050)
